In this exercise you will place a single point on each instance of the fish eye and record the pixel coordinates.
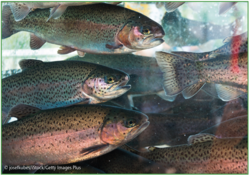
(146, 31)
(130, 123)
(109, 79)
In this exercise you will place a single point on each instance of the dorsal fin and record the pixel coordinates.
(24, 64)
(199, 138)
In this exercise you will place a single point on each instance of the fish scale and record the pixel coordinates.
(57, 84)
(86, 28)
(61, 136)
(217, 156)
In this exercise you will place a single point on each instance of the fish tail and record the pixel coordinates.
(6, 24)
(180, 75)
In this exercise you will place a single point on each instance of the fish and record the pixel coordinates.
(204, 154)
(233, 45)
(47, 85)
(68, 135)
(169, 129)
(21, 9)
(186, 76)
(186, 32)
(232, 128)
(146, 77)
(122, 161)
(96, 29)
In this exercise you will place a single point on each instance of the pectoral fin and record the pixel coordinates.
(227, 93)
(94, 149)
(65, 50)
(163, 95)
(20, 111)
(112, 47)
(56, 12)
(199, 138)
(19, 10)
(192, 90)
(36, 42)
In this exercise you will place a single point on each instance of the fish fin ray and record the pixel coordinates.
(192, 90)
(20, 111)
(81, 54)
(19, 10)
(225, 6)
(172, 6)
(93, 149)
(199, 138)
(6, 29)
(163, 95)
(36, 42)
(65, 50)
(112, 47)
(57, 11)
(24, 64)
(209, 89)
(178, 72)
(227, 93)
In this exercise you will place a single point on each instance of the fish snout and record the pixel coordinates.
(158, 32)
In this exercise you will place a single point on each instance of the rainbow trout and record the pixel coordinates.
(21, 9)
(68, 135)
(97, 28)
(145, 74)
(46, 85)
(168, 129)
(189, 76)
(206, 154)
(122, 161)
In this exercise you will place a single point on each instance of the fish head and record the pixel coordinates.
(141, 33)
(121, 126)
(104, 84)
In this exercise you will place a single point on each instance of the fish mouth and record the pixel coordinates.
(136, 131)
(152, 41)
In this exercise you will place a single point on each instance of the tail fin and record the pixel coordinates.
(6, 30)
(180, 75)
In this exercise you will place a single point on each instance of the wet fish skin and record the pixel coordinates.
(229, 75)
(68, 135)
(57, 84)
(217, 156)
(145, 74)
(165, 129)
(122, 161)
(97, 28)
(21, 9)
(232, 45)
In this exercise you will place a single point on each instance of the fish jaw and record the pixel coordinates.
(98, 91)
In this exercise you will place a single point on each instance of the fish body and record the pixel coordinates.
(21, 9)
(57, 84)
(122, 161)
(68, 135)
(232, 46)
(166, 129)
(97, 28)
(145, 74)
(211, 156)
(188, 76)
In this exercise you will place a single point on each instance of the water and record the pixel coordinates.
(194, 27)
